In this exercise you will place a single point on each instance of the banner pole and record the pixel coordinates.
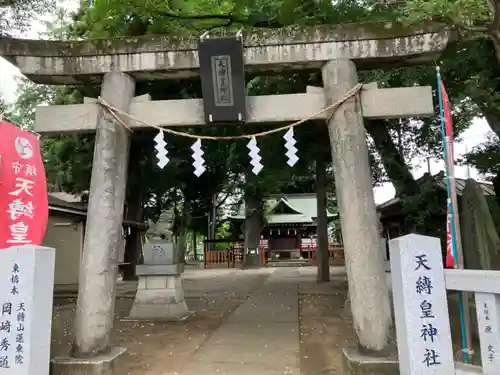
(463, 298)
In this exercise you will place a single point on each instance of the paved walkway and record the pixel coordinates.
(261, 337)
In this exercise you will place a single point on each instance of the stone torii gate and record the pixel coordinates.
(118, 64)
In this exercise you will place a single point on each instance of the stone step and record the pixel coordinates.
(289, 263)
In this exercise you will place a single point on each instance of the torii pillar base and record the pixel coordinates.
(97, 365)
(358, 363)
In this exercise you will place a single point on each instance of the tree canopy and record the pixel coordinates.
(470, 68)
(18, 15)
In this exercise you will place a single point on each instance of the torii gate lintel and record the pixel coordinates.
(387, 103)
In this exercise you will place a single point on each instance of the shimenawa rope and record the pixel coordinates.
(115, 112)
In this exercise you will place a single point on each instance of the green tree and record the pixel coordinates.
(18, 15)
(472, 19)
(393, 142)
(4, 109)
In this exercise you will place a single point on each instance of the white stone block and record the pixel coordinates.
(155, 282)
(159, 253)
(174, 282)
(159, 297)
(142, 282)
(465, 369)
(26, 295)
(420, 306)
(488, 322)
(178, 310)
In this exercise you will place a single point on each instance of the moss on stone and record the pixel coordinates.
(162, 43)
(353, 31)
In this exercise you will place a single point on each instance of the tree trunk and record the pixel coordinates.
(181, 246)
(210, 218)
(496, 187)
(493, 120)
(176, 221)
(213, 222)
(183, 230)
(195, 245)
(494, 28)
(495, 37)
(133, 244)
(397, 170)
(253, 226)
(322, 222)
(209, 222)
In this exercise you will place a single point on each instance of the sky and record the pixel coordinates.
(473, 136)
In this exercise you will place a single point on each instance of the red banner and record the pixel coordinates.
(448, 118)
(448, 133)
(24, 207)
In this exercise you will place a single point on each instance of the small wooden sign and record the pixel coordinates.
(222, 74)
(488, 321)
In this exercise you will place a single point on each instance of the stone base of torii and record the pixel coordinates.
(368, 292)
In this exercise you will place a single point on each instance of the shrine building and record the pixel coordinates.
(290, 227)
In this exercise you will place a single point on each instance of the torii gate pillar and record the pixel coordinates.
(97, 284)
(368, 291)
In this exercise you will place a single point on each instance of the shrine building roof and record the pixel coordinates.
(286, 209)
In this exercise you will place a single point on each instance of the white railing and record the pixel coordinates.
(486, 288)
(419, 285)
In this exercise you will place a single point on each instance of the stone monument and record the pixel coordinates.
(26, 290)
(160, 295)
(420, 306)
(420, 286)
(480, 238)
(162, 229)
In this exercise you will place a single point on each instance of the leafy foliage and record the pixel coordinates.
(17, 15)
(486, 156)
(467, 15)
(4, 109)
(469, 68)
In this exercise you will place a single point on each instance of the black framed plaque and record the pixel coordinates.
(222, 72)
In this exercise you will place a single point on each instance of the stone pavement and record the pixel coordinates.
(260, 337)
